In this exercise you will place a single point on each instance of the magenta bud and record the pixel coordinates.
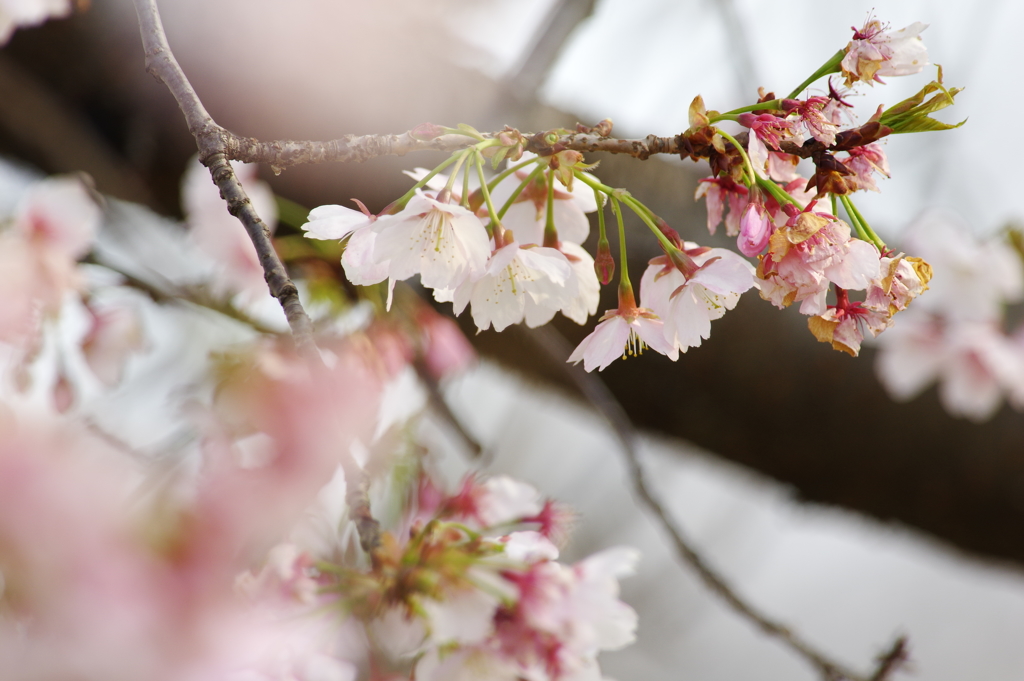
(746, 119)
(427, 131)
(791, 210)
(604, 264)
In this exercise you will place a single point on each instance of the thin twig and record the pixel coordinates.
(284, 153)
(211, 140)
(595, 392)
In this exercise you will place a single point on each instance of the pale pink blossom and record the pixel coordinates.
(115, 333)
(499, 500)
(782, 167)
(528, 547)
(362, 267)
(845, 324)
(624, 331)
(865, 161)
(565, 616)
(688, 305)
(444, 347)
(973, 278)
(902, 280)
(58, 214)
(809, 253)
(875, 52)
(334, 223)
(583, 305)
(23, 306)
(974, 362)
(54, 224)
(720, 191)
(112, 585)
(767, 131)
(811, 113)
(554, 623)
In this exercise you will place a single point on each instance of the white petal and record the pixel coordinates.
(333, 222)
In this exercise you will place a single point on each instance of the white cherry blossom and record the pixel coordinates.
(444, 243)
(517, 277)
(688, 306)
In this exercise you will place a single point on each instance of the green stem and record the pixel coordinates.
(769, 105)
(864, 230)
(830, 66)
(747, 165)
(594, 183)
(508, 171)
(636, 206)
(400, 203)
(550, 232)
(780, 194)
(623, 265)
(519, 190)
(854, 222)
(464, 200)
(602, 236)
(645, 214)
(445, 194)
(495, 220)
(832, 197)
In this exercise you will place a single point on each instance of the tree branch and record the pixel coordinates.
(595, 392)
(212, 142)
(281, 154)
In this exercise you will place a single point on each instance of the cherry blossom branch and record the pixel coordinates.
(281, 154)
(211, 140)
(213, 143)
(595, 392)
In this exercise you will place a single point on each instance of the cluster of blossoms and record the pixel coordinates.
(958, 334)
(116, 564)
(524, 261)
(804, 250)
(469, 586)
(517, 268)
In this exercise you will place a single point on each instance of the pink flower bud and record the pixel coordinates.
(747, 120)
(754, 230)
(426, 131)
(604, 264)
